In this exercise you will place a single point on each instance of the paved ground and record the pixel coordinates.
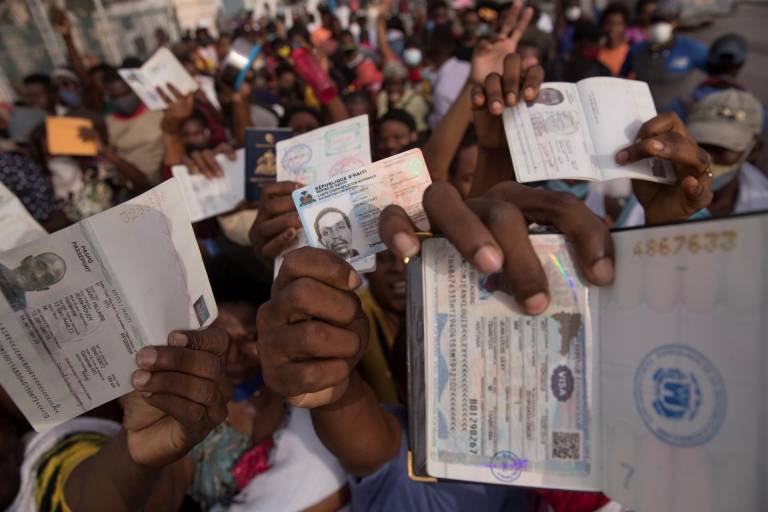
(750, 20)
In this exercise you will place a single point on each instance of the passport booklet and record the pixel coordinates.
(651, 390)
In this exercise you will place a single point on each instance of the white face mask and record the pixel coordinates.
(412, 57)
(572, 13)
(660, 32)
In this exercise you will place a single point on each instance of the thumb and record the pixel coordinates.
(212, 339)
(697, 192)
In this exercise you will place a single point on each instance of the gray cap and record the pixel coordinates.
(728, 119)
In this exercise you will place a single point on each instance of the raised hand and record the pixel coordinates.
(665, 137)
(181, 395)
(179, 107)
(60, 22)
(278, 223)
(489, 54)
(312, 332)
(204, 161)
(492, 232)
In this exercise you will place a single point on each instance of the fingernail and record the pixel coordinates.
(146, 394)
(529, 93)
(603, 270)
(354, 280)
(147, 356)
(290, 233)
(622, 156)
(536, 304)
(178, 339)
(140, 378)
(488, 259)
(497, 107)
(405, 244)
(511, 98)
(657, 146)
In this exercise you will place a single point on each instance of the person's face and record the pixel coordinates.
(301, 122)
(194, 134)
(118, 89)
(346, 40)
(471, 22)
(441, 15)
(239, 321)
(464, 172)
(334, 234)
(614, 27)
(393, 137)
(395, 90)
(645, 15)
(40, 272)
(37, 95)
(286, 81)
(359, 107)
(387, 282)
(549, 96)
(65, 84)
(98, 79)
(222, 47)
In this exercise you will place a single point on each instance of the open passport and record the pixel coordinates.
(652, 390)
(76, 305)
(573, 131)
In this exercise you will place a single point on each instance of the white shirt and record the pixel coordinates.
(303, 471)
(449, 80)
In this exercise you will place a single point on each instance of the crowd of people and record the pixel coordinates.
(212, 425)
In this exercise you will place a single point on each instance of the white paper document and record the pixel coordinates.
(573, 131)
(78, 304)
(16, 224)
(208, 197)
(158, 71)
(320, 155)
(652, 390)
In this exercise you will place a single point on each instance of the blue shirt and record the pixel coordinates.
(390, 489)
(682, 57)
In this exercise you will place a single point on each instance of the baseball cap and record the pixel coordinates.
(727, 50)
(729, 119)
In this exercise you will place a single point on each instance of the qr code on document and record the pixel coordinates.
(566, 445)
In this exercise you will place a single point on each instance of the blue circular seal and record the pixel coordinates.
(506, 466)
(680, 395)
(296, 157)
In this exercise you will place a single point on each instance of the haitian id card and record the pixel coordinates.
(342, 215)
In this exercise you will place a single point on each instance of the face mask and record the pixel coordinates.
(483, 30)
(69, 98)
(660, 33)
(579, 190)
(412, 57)
(126, 105)
(723, 175)
(572, 13)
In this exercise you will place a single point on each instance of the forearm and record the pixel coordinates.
(174, 149)
(110, 477)
(92, 94)
(446, 138)
(336, 110)
(381, 39)
(357, 430)
(128, 171)
(493, 167)
(241, 119)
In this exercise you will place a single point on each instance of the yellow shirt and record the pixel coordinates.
(374, 368)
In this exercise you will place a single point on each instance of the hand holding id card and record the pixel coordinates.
(342, 215)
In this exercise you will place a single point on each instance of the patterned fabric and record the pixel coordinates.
(253, 463)
(26, 180)
(213, 482)
(55, 466)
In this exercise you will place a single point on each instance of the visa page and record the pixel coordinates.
(549, 139)
(161, 69)
(615, 109)
(684, 366)
(510, 397)
(77, 305)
